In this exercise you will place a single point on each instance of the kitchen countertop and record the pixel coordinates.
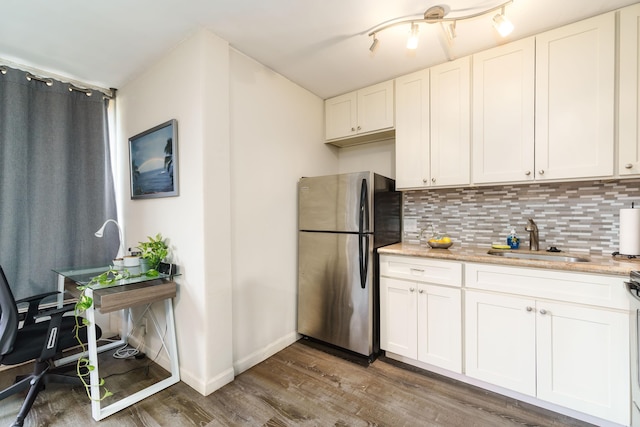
(598, 263)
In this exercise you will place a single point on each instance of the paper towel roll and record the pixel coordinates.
(629, 231)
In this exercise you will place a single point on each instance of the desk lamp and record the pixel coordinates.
(100, 232)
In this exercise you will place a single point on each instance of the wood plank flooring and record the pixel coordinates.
(299, 386)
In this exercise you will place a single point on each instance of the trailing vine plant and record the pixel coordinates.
(84, 367)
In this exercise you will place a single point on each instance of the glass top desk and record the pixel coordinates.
(121, 295)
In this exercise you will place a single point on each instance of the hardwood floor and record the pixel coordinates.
(299, 386)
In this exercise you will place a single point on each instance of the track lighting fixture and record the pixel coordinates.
(437, 14)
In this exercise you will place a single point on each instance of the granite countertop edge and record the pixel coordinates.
(598, 264)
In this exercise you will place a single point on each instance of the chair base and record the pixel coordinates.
(42, 375)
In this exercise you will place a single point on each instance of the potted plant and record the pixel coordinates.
(153, 251)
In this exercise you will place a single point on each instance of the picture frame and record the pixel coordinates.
(153, 161)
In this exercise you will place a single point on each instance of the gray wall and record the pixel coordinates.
(578, 217)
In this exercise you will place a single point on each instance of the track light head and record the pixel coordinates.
(412, 41)
(502, 24)
(374, 44)
(450, 30)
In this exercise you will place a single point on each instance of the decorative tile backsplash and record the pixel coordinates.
(576, 216)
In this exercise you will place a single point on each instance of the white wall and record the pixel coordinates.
(245, 136)
(277, 136)
(378, 157)
(189, 84)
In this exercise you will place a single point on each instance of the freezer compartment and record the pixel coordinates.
(333, 305)
(334, 202)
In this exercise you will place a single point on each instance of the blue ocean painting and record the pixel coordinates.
(152, 163)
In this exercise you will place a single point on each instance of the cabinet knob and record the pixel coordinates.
(421, 291)
(425, 180)
(628, 166)
(359, 128)
(412, 289)
(529, 308)
(433, 180)
(527, 173)
(353, 129)
(541, 172)
(543, 311)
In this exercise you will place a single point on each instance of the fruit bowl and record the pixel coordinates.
(439, 245)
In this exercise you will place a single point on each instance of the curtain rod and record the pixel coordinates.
(74, 85)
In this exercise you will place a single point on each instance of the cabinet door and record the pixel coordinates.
(450, 123)
(583, 359)
(503, 104)
(341, 116)
(500, 343)
(629, 133)
(575, 68)
(412, 130)
(375, 107)
(440, 326)
(398, 317)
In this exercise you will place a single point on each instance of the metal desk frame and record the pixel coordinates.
(170, 345)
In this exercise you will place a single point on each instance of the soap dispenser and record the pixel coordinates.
(512, 239)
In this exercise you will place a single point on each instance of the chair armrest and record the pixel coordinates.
(38, 297)
(55, 314)
(51, 312)
(34, 304)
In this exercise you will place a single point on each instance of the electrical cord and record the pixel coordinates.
(126, 351)
(134, 352)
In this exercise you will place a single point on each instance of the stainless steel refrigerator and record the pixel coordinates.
(342, 220)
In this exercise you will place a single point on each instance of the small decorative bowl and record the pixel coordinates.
(436, 245)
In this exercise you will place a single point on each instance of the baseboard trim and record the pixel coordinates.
(260, 355)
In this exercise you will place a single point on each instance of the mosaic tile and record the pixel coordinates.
(577, 216)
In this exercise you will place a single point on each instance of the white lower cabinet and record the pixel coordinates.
(399, 317)
(572, 355)
(583, 359)
(554, 338)
(440, 326)
(500, 345)
(420, 318)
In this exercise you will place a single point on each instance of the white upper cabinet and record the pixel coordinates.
(629, 113)
(412, 130)
(450, 123)
(503, 107)
(341, 116)
(575, 70)
(359, 113)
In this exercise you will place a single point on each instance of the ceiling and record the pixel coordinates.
(321, 45)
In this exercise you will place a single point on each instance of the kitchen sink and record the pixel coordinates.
(542, 256)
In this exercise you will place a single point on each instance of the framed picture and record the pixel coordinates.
(154, 162)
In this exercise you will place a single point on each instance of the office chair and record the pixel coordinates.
(43, 335)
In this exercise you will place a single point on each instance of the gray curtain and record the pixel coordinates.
(56, 185)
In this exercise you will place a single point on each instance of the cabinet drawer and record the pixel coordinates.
(593, 289)
(421, 270)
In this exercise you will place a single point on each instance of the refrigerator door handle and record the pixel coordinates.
(363, 242)
(363, 221)
(364, 259)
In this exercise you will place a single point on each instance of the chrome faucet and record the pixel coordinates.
(534, 239)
